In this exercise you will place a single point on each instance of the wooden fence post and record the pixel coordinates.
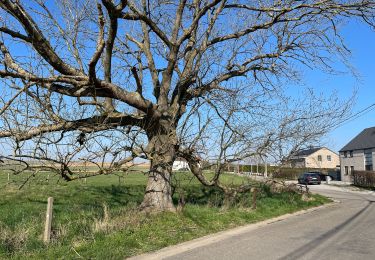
(47, 228)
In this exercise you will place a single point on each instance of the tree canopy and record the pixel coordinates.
(111, 81)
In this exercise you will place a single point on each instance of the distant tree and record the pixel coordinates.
(107, 82)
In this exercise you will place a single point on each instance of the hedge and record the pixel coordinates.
(364, 179)
(286, 173)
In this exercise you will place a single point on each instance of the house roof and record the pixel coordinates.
(307, 152)
(180, 159)
(364, 140)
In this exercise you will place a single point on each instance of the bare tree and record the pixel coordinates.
(112, 81)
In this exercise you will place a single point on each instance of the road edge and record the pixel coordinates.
(219, 236)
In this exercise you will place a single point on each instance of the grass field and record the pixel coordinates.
(98, 219)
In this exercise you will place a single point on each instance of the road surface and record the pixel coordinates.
(344, 230)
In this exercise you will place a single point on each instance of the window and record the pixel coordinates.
(368, 159)
(351, 170)
(319, 158)
(329, 158)
(351, 153)
(346, 170)
(345, 154)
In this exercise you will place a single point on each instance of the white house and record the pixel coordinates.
(180, 164)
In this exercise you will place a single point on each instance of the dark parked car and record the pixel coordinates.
(309, 178)
(322, 176)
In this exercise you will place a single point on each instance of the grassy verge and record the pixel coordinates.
(98, 218)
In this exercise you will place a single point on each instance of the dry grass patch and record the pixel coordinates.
(14, 240)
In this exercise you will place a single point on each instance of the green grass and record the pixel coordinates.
(99, 218)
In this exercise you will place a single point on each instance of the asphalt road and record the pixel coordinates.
(344, 230)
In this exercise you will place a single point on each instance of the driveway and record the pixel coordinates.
(343, 230)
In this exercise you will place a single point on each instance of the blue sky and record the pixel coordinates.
(360, 39)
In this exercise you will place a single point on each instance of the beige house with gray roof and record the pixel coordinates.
(318, 157)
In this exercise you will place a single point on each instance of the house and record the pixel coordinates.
(315, 157)
(180, 164)
(358, 154)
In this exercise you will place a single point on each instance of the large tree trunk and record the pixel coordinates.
(158, 194)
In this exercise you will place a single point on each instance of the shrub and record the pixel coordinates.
(288, 173)
(364, 179)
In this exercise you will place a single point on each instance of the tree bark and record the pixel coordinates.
(158, 195)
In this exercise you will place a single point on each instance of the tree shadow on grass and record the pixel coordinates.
(200, 195)
(119, 195)
(94, 196)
